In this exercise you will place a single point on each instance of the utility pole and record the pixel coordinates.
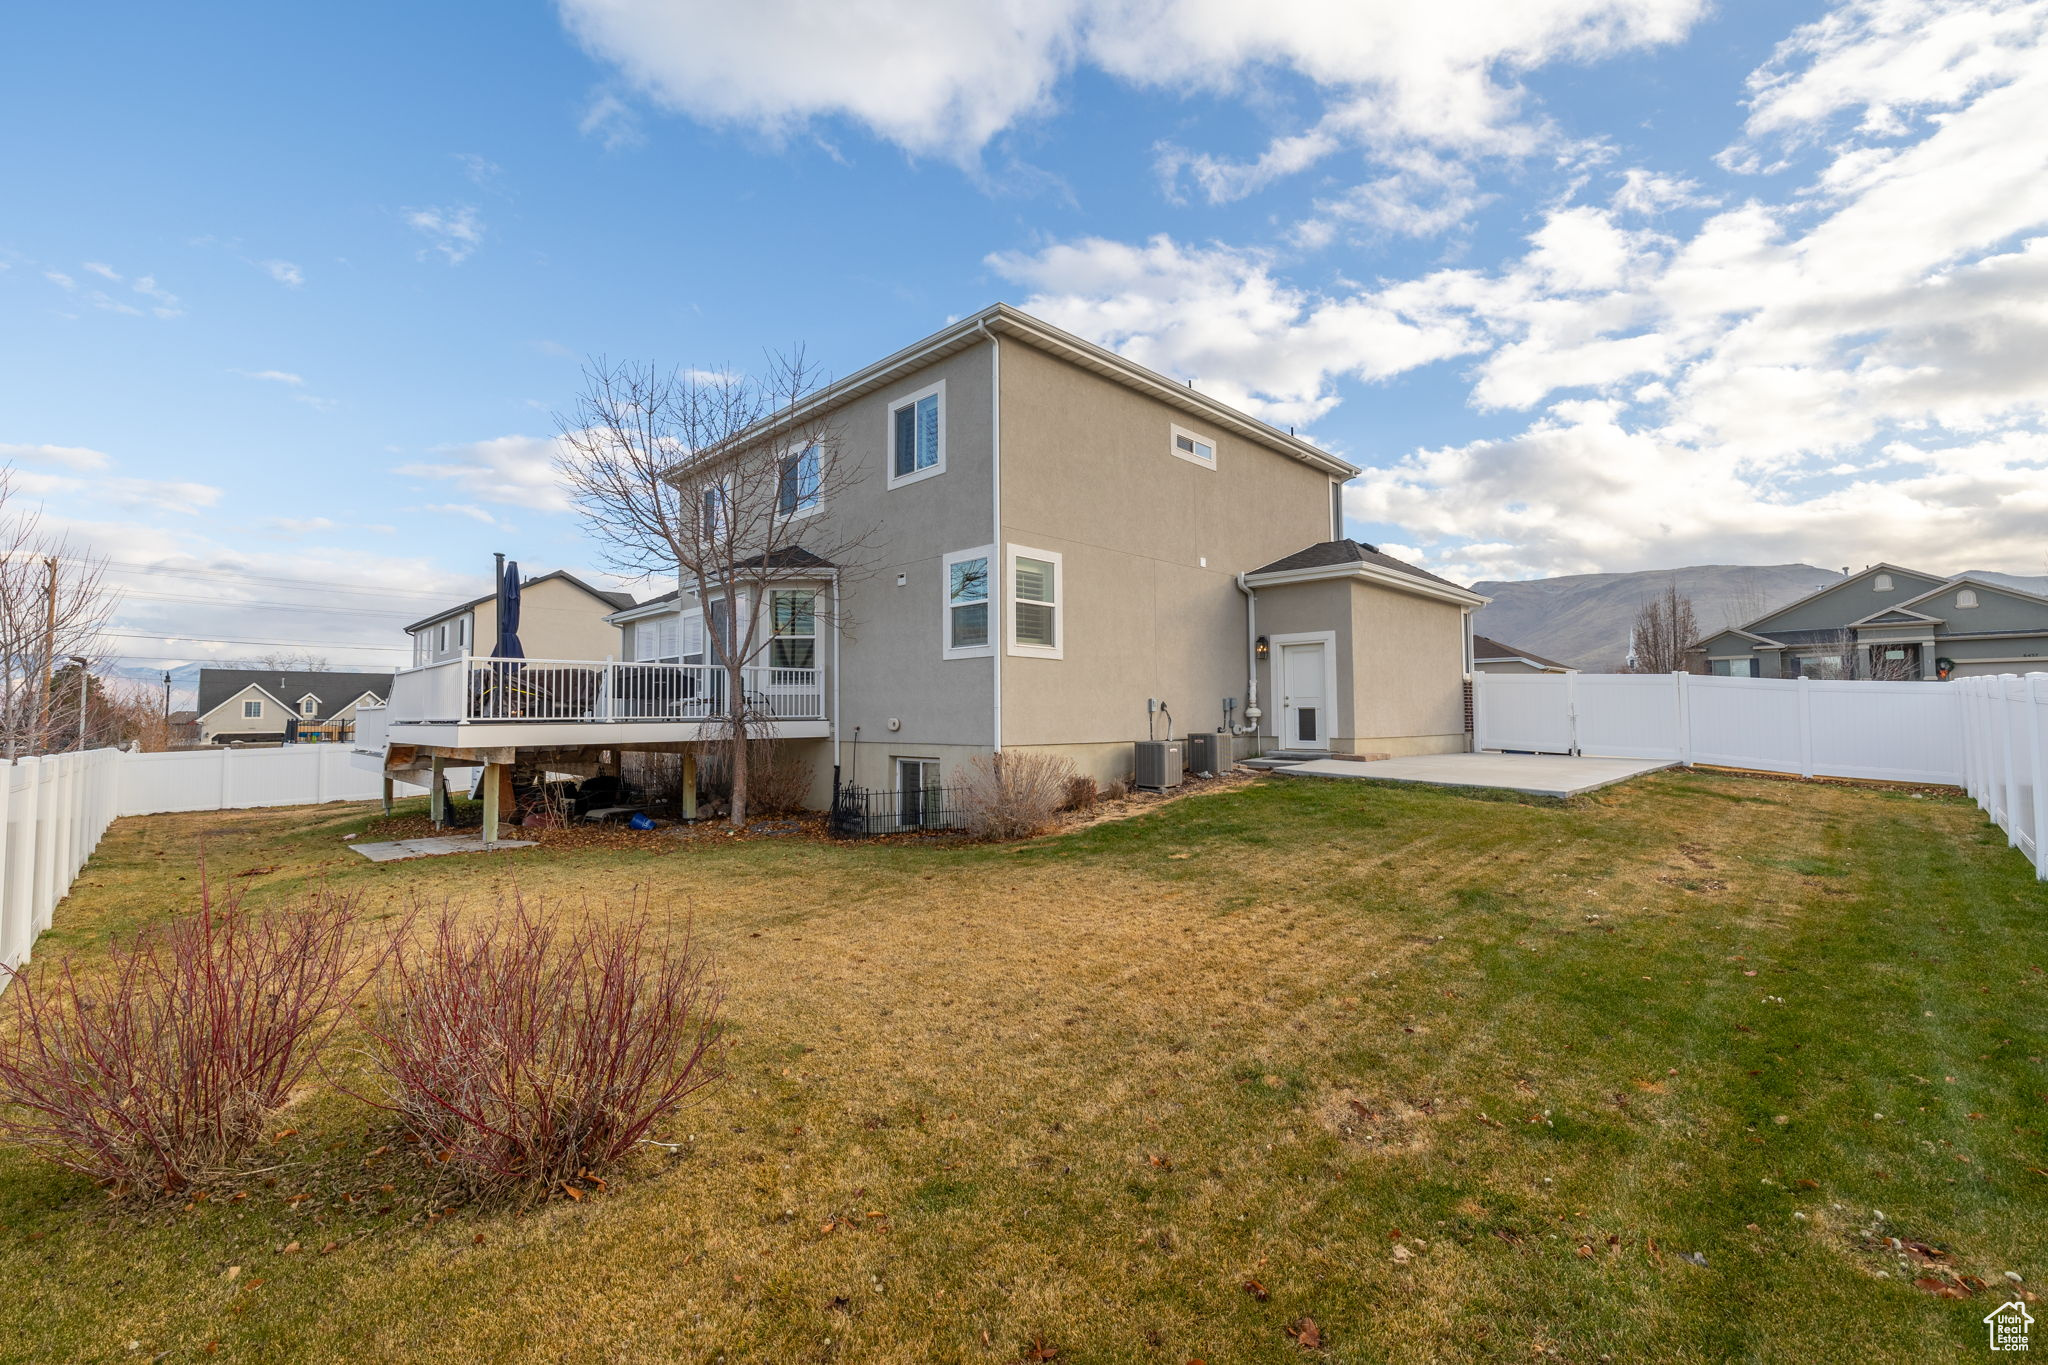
(79, 663)
(48, 661)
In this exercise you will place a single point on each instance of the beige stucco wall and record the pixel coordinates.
(557, 620)
(1088, 473)
(890, 630)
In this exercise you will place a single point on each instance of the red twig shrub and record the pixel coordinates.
(158, 1069)
(519, 1053)
(1013, 795)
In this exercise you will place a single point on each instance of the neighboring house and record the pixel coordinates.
(1491, 656)
(560, 617)
(1071, 552)
(183, 728)
(255, 705)
(1889, 622)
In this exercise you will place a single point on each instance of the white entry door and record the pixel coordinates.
(1304, 710)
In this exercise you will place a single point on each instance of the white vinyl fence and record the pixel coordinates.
(1884, 731)
(53, 810)
(2005, 757)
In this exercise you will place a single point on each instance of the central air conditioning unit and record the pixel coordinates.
(1161, 764)
(1210, 752)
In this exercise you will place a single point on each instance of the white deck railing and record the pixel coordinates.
(495, 690)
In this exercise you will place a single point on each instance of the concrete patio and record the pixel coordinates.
(1533, 774)
(435, 846)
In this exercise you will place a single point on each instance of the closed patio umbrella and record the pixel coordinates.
(508, 613)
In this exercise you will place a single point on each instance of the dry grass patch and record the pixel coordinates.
(1080, 1091)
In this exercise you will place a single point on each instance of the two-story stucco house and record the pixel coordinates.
(560, 617)
(258, 706)
(1069, 552)
(1889, 622)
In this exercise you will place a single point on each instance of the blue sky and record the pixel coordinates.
(291, 295)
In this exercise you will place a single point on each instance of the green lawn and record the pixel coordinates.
(1456, 1078)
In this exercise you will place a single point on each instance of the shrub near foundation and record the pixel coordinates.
(1014, 795)
(522, 1055)
(160, 1069)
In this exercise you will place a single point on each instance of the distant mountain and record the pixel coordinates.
(1584, 619)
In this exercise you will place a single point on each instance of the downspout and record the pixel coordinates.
(835, 679)
(1251, 656)
(996, 569)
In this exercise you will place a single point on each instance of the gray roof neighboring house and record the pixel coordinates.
(334, 691)
(1486, 649)
(617, 601)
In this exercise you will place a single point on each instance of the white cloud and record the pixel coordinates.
(941, 78)
(464, 509)
(481, 171)
(284, 272)
(272, 377)
(178, 497)
(1848, 374)
(71, 457)
(611, 121)
(455, 232)
(514, 470)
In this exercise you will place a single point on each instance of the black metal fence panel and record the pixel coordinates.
(861, 812)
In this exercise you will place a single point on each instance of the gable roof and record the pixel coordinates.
(1486, 649)
(1003, 320)
(1840, 583)
(1971, 581)
(1355, 558)
(614, 601)
(335, 690)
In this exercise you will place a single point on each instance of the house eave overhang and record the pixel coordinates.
(1369, 573)
(1002, 319)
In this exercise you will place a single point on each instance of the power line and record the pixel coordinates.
(226, 640)
(251, 602)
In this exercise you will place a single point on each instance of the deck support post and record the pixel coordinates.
(387, 793)
(689, 794)
(493, 775)
(437, 793)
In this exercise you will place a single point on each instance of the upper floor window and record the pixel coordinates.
(801, 488)
(1882, 583)
(309, 706)
(711, 505)
(793, 619)
(966, 585)
(1194, 447)
(252, 710)
(1966, 598)
(1035, 627)
(462, 632)
(440, 638)
(917, 435)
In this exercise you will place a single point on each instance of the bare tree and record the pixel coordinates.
(54, 605)
(730, 485)
(1664, 630)
(294, 661)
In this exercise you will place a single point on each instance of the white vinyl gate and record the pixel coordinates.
(1883, 731)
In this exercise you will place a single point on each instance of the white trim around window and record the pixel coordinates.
(1042, 615)
(928, 435)
(252, 708)
(1193, 447)
(957, 602)
(809, 497)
